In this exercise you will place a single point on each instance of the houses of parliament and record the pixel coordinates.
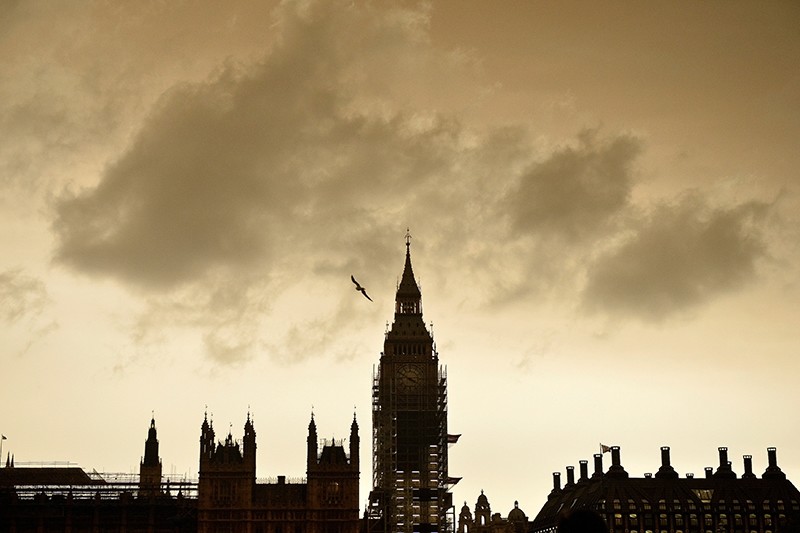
(411, 483)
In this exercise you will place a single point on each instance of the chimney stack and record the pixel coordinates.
(724, 470)
(570, 477)
(773, 471)
(616, 470)
(556, 485)
(598, 466)
(709, 472)
(748, 467)
(615, 456)
(666, 470)
(584, 467)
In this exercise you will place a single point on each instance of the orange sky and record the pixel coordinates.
(603, 200)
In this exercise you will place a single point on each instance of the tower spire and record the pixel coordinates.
(150, 467)
(408, 298)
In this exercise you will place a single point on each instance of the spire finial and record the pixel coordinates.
(408, 238)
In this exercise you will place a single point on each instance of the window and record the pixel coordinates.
(704, 495)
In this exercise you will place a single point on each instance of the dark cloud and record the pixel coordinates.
(283, 168)
(220, 168)
(684, 254)
(577, 191)
(21, 296)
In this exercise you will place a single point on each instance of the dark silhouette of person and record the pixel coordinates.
(581, 521)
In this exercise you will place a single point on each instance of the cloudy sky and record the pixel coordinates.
(603, 199)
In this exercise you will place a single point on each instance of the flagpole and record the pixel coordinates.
(1, 448)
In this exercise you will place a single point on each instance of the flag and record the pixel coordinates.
(604, 448)
(4, 437)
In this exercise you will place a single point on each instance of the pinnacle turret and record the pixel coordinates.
(151, 446)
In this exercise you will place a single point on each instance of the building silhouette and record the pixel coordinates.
(226, 498)
(150, 466)
(485, 522)
(409, 423)
(665, 502)
(230, 500)
(65, 498)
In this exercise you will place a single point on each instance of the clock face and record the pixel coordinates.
(409, 377)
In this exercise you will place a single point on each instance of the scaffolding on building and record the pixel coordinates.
(411, 484)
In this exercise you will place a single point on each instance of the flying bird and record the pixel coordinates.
(360, 289)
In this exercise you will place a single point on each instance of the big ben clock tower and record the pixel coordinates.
(409, 423)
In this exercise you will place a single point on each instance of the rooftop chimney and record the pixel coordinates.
(773, 471)
(598, 466)
(724, 470)
(616, 470)
(570, 477)
(556, 485)
(709, 472)
(748, 467)
(584, 468)
(666, 471)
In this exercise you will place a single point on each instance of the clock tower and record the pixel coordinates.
(409, 423)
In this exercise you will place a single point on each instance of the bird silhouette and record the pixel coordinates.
(360, 289)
